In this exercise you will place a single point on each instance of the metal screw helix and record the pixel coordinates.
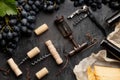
(79, 19)
(40, 59)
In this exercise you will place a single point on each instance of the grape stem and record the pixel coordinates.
(7, 20)
(19, 9)
(7, 23)
(2, 29)
(55, 3)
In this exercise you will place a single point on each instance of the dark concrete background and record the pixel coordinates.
(79, 31)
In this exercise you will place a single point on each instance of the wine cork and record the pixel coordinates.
(33, 52)
(42, 73)
(14, 67)
(41, 29)
(54, 52)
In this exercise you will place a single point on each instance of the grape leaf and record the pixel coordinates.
(7, 7)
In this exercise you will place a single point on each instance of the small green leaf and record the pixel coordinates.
(7, 7)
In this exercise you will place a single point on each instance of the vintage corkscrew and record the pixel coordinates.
(83, 10)
(89, 14)
(64, 28)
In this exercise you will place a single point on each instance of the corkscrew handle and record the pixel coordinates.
(54, 52)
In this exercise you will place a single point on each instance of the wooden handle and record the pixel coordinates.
(14, 67)
(42, 73)
(33, 52)
(54, 52)
(41, 29)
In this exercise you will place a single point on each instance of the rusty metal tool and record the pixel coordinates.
(64, 28)
(77, 12)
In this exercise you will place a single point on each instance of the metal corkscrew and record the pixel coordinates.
(88, 13)
(32, 53)
(80, 19)
(23, 60)
(40, 59)
(66, 31)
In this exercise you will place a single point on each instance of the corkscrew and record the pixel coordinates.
(53, 52)
(32, 53)
(66, 31)
(40, 59)
(23, 60)
(88, 13)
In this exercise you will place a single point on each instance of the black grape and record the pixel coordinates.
(31, 19)
(9, 35)
(24, 29)
(33, 13)
(16, 29)
(15, 34)
(31, 26)
(30, 2)
(13, 21)
(24, 13)
(36, 9)
(37, 3)
(2, 42)
(50, 8)
(4, 35)
(1, 37)
(27, 7)
(24, 21)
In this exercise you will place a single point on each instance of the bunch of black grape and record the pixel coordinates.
(94, 4)
(12, 28)
(113, 4)
(9, 34)
(38, 5)
(97, 4)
